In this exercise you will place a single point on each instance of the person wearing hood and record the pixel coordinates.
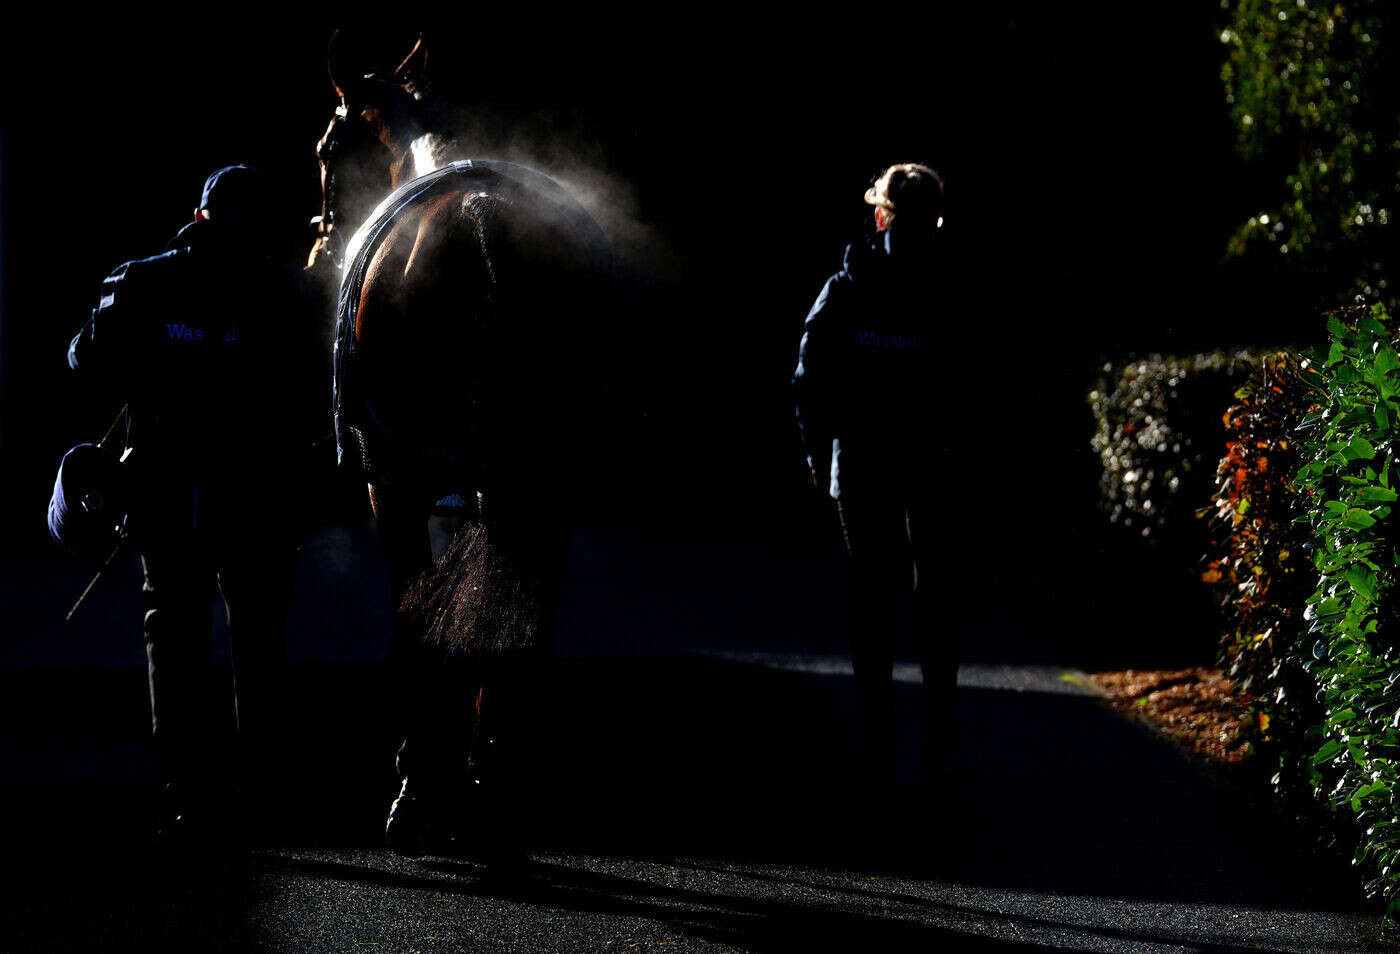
(214, 347)
(864, 410)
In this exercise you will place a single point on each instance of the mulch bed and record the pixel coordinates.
(1198, 708)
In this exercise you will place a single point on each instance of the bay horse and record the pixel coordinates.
(468, 297)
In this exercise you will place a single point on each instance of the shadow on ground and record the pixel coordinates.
(735, 779)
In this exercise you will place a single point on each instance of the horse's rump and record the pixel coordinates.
(466, 307)
(463, 325)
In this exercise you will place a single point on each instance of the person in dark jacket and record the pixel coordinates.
(864, 408)
(214, 345)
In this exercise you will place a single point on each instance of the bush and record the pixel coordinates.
(1349, 487)
(1313, 96)
(1156, 422)
(1261, 567)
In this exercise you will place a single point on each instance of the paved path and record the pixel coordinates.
(1065, 828)
(694, 798)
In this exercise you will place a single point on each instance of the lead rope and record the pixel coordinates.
(122, 420)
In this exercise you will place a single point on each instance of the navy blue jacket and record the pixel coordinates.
(864, 369)
(219, 352)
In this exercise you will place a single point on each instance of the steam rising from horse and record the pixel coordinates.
(468, 298)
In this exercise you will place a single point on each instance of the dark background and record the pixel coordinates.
(1089, 165)
(1092, 183)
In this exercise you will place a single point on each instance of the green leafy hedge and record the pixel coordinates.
(1350, 485)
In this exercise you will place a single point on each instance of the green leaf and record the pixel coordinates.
(1357, 519)
(1370, 326)
(1359, 449)
(1363, 581)
(1370, 496)
(1331, 748)
(1360, 793)
(1330, 607)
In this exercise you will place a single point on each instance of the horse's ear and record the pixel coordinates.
(416, 61)
(339, 55)
(412, 72)
(358, 57)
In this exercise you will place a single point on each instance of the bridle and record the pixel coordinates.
(329, 236)
(396, 94)
(347, 132)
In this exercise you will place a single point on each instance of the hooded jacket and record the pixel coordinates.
(216, 348)
(864, 368)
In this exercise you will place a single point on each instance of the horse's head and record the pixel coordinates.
(367, 148)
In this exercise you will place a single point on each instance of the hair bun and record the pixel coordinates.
(908, 188)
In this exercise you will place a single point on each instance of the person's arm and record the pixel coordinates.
(813, 381)
(97, 351)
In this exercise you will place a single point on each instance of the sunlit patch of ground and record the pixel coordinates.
(1197, 708)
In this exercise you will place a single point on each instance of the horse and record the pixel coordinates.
(468, 296)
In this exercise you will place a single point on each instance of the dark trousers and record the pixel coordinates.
(888, 553)
(250, 559)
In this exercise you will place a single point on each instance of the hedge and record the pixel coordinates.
(1306, 567)
(1348, 482)
(1156, 431)
(1260, 566)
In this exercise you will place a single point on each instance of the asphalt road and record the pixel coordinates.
(694, 793)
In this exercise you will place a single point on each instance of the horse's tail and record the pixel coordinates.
(494, 591)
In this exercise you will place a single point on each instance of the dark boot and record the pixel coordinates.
(420, 819)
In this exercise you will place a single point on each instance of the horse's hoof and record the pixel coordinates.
(406, 828)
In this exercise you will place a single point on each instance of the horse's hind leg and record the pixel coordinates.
(417, 673)
(508, 732)
(505, 750)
